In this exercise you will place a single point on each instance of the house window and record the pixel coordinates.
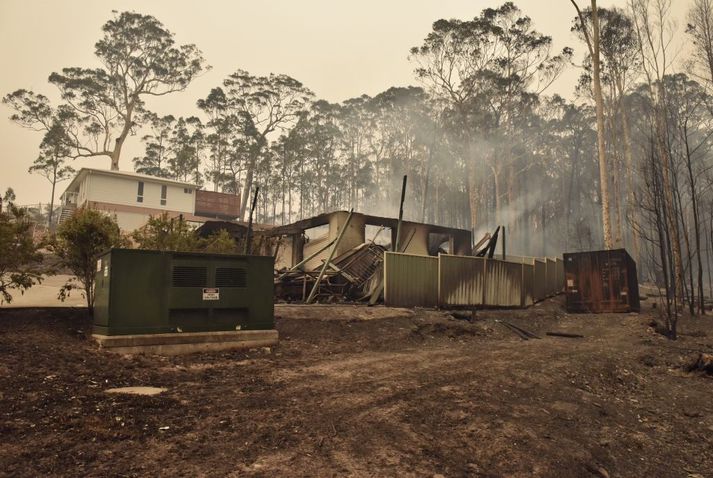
(188, 190)
(163, 194)
(140, 192)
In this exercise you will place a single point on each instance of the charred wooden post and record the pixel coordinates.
(397, 243)
(329, 259)
(248, 237)
(503, 243)
(493, 243)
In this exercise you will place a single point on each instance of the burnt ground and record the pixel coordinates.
(405, 393)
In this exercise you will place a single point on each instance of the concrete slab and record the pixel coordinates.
(137, 390)
(187, 342)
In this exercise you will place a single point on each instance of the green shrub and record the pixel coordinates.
(19, 254)
(80, 241)
(163, 233)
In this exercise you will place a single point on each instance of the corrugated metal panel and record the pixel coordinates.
(540, 286)
(503, 283)
(551, 276)
(410, 280)
(464, 281)
(528, 284)
(460, 280)
(560, 275)
(518, 259)
(528, 278)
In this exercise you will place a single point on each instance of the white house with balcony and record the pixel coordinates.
(131, 197)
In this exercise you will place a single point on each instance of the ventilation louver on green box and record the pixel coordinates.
(151, 292)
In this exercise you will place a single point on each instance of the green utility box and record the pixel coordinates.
(153, 292)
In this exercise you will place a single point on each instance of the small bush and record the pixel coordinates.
(19, 254)
(80, 241)
(163, 233)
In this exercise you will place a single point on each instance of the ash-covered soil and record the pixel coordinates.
(354, 393)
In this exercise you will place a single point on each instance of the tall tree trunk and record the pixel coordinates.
(690, 290)
(511, 218)
(54, 184)
(668, 196)
(425, 192)
(696, 221)
(473, 194)
(593, 45)
(629, 164)
(249, 173)
(119, 142)
(603, 171)
(496, 186)
(616, 183)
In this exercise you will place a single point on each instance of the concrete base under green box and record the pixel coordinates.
(186, 343)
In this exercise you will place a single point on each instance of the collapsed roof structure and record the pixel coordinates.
(304, 238)
(350, 247)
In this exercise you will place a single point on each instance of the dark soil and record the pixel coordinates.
(415, 393)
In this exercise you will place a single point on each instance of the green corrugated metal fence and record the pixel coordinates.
(464, 281)
(410, 280)
(461, 280)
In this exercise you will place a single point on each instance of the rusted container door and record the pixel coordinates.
(601, 281)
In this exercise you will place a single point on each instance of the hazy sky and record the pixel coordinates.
(339, 49)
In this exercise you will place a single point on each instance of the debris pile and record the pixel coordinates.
(354, 275)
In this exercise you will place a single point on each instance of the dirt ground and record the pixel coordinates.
(351, 391)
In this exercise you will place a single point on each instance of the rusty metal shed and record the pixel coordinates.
(601, 281)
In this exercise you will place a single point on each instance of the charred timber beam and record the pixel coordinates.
(397, 243)
(311, 256)
(249, 238)
(329, 259)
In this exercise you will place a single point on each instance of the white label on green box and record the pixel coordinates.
(211, 294)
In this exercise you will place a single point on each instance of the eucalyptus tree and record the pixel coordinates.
(187, 150)
(264, 104)
(139, 58)
(322, 167)
(408, 132)
(690, 122)
(593, 41)
(700, 29)
(619, 67)
(58, 124)
(481, 71)
(221, 126)
(52, 161)
(356, 125)
(654, 30)
(54, 152)
(157, 147)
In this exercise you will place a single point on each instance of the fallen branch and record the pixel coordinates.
(565, 334)
(517, 331)
(526, 332)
